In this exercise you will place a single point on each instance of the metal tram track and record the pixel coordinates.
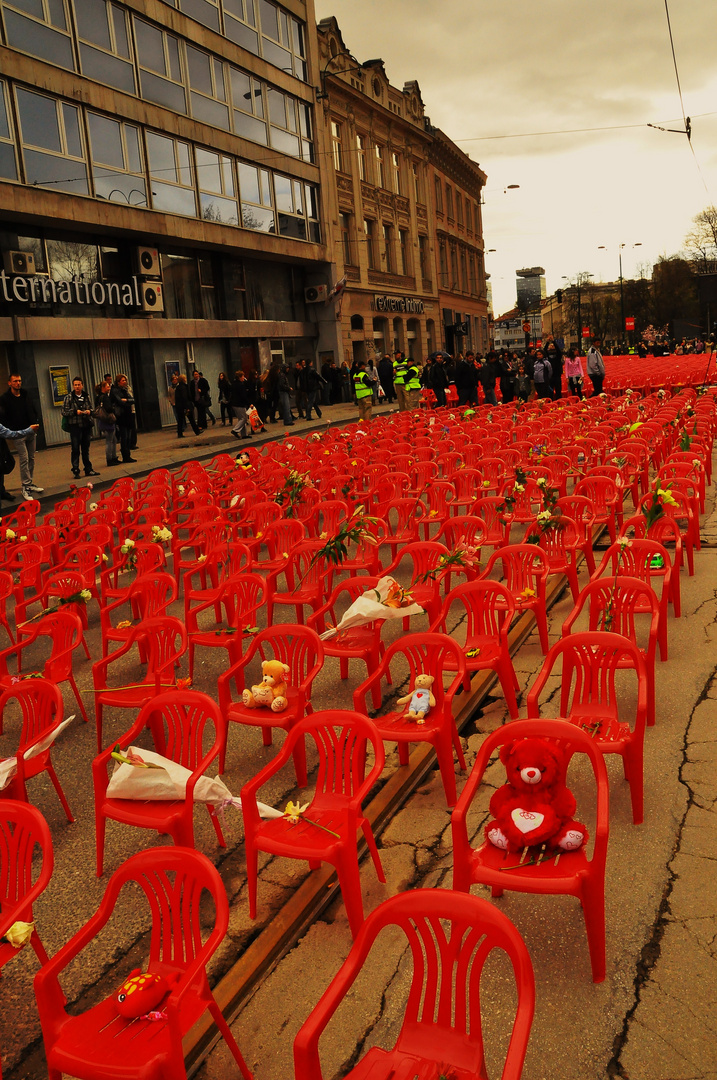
(318, 890)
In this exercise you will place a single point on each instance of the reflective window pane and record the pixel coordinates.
(119, 20)
(68, 259)
(38, 40)
(269, 19)
(255, 217)
(106, 68)
(215, 208)
(4, 122)
(203, 11)
(38, 120)
(134, 156)
(241, 34)
(8, 165)
(209, 170)
(200, 74)
(71, 117)
(106, 140)
(175, 70)
(210, 111)
(61, 173)
(285, 142)
(282, 189)
(56, 9)
(163, 92)
(173, 200)
(92, 22)
(250, 128)
(161, 156)
(32, 7)
(149, 46)
(185, 172)
(120, 187)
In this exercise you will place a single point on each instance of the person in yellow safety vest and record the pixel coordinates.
(400, 363)
(363, 391)
(412, 388)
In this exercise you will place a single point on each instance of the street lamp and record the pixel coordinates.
(602, 247)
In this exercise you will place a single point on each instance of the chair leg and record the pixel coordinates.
(403, 748)
(39, 952)
(100, 826)
(229, 1039)
(651, 697)
(252, 870)
(457, 747)
(76, 692)
(300, 763)
(633, 761)
(541, 619)
(217, 827)
(444, 753)
(98, 723)
(60, 793)
(371, 841)
(506, 674)
(350, 881)
(593, 901)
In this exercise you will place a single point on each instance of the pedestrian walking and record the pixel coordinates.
(122, 402)
(77, 420)
(574, 372)
(363, 391)
(554, 357)
(488, 375)
(385, 375)
(223, 396)
(17, 437)
(542, 373)
(372, 376)
(300, 388)
(345, 383)
(284, 395)
(240, 399)
(596, 366)
(106, 421)
(18, 413)
(314, 386)
(412, 385)
(437, 380)
(183, 409)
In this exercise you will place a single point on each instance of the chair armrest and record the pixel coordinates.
(99, 668)
(201, 769)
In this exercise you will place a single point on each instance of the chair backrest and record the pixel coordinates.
(154, 592)
(166, 639)
(488, 604)
(341, 738)
(40, 703)
(178, 721)
(524, 566)
(299, 647)
(614, 604)
(451, 935)
(242, 595)
(22, 830)
(430, 654)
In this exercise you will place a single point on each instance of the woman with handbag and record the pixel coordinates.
(106, 422)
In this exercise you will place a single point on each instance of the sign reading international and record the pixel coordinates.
(43, 290)
(404, 305)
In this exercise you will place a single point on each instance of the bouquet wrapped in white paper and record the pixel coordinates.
(148, 775)
(387, 601)
(8, 767)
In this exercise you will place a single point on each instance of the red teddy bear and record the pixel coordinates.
(534, 806)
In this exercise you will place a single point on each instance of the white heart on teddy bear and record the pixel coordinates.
(526, 820)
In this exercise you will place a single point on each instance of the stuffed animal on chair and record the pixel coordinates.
(534, 806)
(271, 691)
(420, 699)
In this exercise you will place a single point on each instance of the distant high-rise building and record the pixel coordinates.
(530, 287)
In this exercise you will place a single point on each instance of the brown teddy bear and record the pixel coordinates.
(420, 699)
(271, 691)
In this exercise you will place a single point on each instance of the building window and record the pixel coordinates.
(41, 30)
(160, 69)
(117, 169)
(469, 217)
(257, 202)
(455, 283)
(240, 24)
(104, 44)
(248, 102)
(459, 208)
(8, 163)
(282, 39)
(171, 172)
(396, 173)
(207, 90)
(369, 228)
(388, 249)
(379, 177)
(204, 11)
(443, 263)
(464, 272)
(217, 191)
(361, 157)
(405, 267)
(284, 122)
(290, 207)
(417, 182)
(346, 247)
(449, 201)
(52, 143)
(439, 195)
(336, 148)
(423, 257)
(472, 273)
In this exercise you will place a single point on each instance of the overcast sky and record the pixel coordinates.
(510, 67)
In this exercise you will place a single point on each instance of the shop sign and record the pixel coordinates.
(629, 322)
(43, 290)
(407, 305)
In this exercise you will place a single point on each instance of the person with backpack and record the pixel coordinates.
(596, 367)
(542, 374)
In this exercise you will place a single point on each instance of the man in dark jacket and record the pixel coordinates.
(554, 357)
(77, 410)
(488, 374)
(122, 402)
(314, 386)
(385, 377)
(438, 380)
(18, 413)
(240, 401)
(466, 380)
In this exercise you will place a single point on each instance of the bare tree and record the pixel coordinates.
(701, 240)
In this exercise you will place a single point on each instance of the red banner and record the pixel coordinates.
(586, 331)
(629, 322)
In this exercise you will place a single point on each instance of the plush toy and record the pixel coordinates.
(141, 992)
(271, 691)
(534, 806)
(420, 699)
(243, 460)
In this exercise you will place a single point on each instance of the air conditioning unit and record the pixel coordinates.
(152, 298)
(147, 262)
(19, 262)
(315, 294)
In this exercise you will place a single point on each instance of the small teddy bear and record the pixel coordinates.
(420, 699)
(534, 806)
(271, 691)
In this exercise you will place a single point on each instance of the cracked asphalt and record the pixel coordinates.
(655, 1016)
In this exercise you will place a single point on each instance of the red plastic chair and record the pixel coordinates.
(489, 611)
(682, 514)
(180, 723)
(561, 545)
(468, 485)
(301, 649)
(440, 495)
(498, 520)
(423, 654)
(424, 557)
(342, 784)
(24, 840)
(6, 587)
(162, 642)
(635, 560)
(180, 886)
(41, 706)
(524, 572)
(580, 509)
(306, 581)
(402, 518)
(575, 874)
(357, 642)
(64, 629)
(589, 698)
(450, 936)
(280, 538)
(240, 597)
(59, 586)
(145, 558)
(666, 531)
(606, 501)
(148, 597)
(24, 562)
(620, 606)
(328, 517)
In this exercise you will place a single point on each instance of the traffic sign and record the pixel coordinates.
(526, 327)
(586, 331)
(629, 322)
